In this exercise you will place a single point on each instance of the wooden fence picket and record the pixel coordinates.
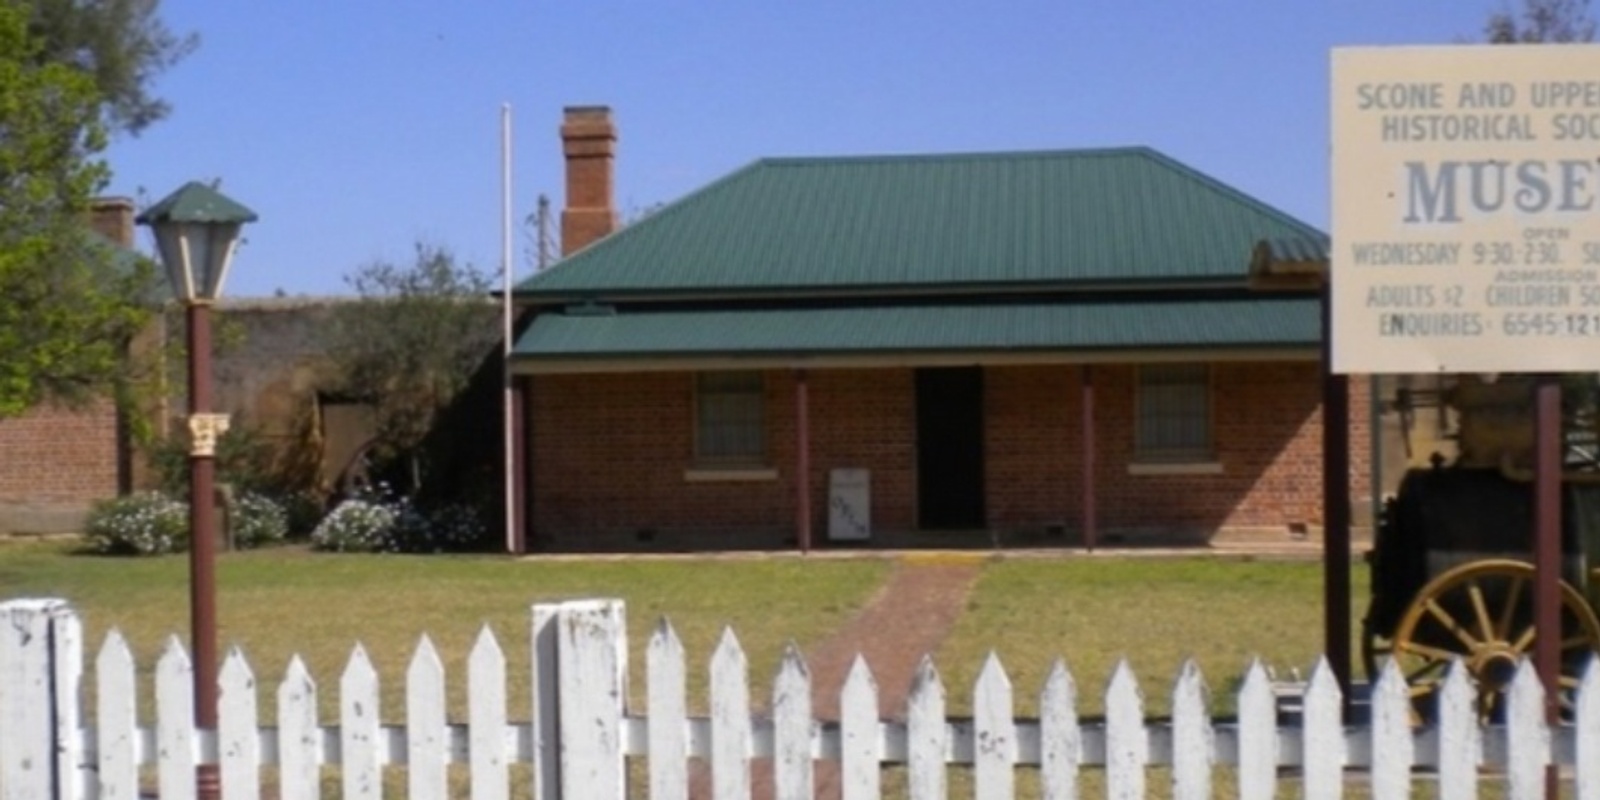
(668, 715)
(1459, 745)
(175, 735)
(72, 773)
(859, 754)
(994, 732)
(927, 736)
(1191, 735)
(1322, 743)
(1060, 740)
(591, 659)
(1258, 735)
(299, 737)
(730, 721)
(591, 735)
(116, 720)
(1127, 743)
(359, 727)
(1587, 751)
(1527, 734)
(427, 742)
(792, 728)
(1391, 735)
(238, 743)
(546, 697)
(486, 718)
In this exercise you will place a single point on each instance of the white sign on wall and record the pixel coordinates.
(1466, 209)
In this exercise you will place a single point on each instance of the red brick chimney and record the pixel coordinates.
(112, 217)
(588, 139)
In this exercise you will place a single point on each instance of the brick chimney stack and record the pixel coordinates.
(588, 139)
(112, 217)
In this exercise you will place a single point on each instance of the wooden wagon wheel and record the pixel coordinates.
(1482, 613)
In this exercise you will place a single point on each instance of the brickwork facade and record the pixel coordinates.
(611, 457)
(57, 461)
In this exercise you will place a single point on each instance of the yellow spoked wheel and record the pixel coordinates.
(1482, 614)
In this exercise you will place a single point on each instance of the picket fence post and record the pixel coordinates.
(41, 660)
(580, 689)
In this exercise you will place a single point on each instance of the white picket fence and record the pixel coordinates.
(581, 732)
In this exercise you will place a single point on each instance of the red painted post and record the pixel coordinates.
(1086, 380)
(203, 548)
(1335, 507)
(1547, 548)
(802, 478)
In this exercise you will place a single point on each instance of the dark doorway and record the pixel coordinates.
(950, 448)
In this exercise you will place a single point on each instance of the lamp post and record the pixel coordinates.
(196, 231)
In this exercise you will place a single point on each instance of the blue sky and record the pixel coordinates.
(358, 129)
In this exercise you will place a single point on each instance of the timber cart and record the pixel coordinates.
(1452, 559)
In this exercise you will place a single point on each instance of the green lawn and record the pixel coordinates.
(1089, 610)
(1155, 612)
(278, 602)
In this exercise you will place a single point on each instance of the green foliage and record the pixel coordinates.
(1549, 21)
(69, 302)
(120, 46)
(409, 346)
(143, 524)
(244, 462)
(452, 528)
(257, 520)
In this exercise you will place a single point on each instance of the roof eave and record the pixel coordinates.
(881, 359)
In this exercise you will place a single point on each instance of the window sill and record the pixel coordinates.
(729, 474)
(1176, 468)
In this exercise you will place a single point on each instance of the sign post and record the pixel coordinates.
(1466, 236)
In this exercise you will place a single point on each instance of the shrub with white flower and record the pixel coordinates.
(357, 525)
(447, 528)
(257, 520)
(145, 523)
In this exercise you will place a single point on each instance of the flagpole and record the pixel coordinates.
(508, 422)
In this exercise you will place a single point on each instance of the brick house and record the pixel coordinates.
(1014, 347)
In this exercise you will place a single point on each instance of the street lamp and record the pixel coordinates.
(196, 231)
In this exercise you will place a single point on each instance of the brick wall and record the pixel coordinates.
(611, 464)
(56, 461)
(611, 457)
(1267, 433)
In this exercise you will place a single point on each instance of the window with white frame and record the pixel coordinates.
(730, 418)
(1174, 414)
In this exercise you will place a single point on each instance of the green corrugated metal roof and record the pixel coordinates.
(1115, 215)
(1185, 323)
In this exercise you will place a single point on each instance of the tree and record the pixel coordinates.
(69, 302)
(1552, 21)
(122, 45)
(410, 344)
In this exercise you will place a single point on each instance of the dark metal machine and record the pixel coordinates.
(1452, 562)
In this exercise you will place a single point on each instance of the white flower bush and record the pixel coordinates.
(448, 528)
(376, 520)
(146, 523)
(357, 525)
(257, 520)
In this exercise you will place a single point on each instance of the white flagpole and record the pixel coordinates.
(509, 420)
